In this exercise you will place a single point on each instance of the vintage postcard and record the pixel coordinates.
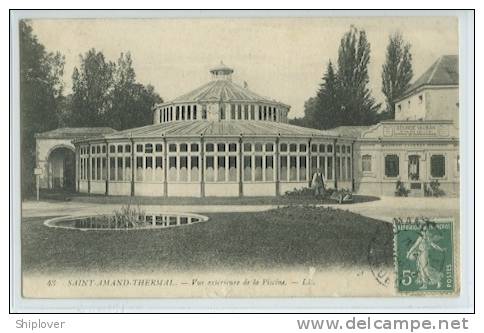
(240, 157)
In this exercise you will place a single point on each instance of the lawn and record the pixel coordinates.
(278, 238)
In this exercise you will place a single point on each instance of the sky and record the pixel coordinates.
(281, 58)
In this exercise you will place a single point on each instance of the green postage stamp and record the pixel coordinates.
(424, 255)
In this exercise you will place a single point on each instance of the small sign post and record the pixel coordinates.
(37, 173)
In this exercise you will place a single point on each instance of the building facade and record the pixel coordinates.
(421, 145)
(222, 139)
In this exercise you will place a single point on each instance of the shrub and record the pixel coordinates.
(342, 195)
(435, 189)
(303, 192)
(401, 190)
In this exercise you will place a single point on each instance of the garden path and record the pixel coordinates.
(384, 209)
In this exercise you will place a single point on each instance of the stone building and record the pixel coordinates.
(422, 144)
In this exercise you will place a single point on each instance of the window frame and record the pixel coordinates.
(221, 155)
(183, 154)
(149, 155)
(385, 166)
(444, 166)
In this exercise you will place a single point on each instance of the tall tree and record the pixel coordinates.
(344, 97)
(357, 106)
(41, 90)
(328, 100)
(397, 72)
(132, 102)
(92, 85)
(321, 111)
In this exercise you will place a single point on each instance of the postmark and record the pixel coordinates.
(379, 249)
(424, 255)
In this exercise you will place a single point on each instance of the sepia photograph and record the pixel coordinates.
(240, 157)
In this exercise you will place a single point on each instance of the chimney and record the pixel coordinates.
(246, 85)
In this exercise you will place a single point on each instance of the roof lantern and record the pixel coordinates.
(222, 72)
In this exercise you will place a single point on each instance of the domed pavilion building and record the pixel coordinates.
(220, 139)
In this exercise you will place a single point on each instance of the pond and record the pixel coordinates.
(125, 222)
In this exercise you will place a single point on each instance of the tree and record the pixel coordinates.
(107, 94)
(357, 106)
(92, 85)
(41, 89)
(145, 98)
(310, 111)
(396, 72)
(321, 111)
(343, 97)
(328, 101)
(132, 102)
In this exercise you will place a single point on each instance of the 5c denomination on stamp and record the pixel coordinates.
(424, 255)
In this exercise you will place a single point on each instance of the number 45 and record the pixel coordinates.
(407, 277)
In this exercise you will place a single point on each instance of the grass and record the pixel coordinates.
(138, 200)
(279, 238)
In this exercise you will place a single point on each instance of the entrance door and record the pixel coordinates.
(62, 169)
(414, 168)
(69, 171)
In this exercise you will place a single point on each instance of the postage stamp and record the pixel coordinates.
(424, 255)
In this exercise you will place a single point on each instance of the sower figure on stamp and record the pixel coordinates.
(317, 183)
(420, 253)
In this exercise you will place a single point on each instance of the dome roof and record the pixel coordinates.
(223, 91)
(219, 128)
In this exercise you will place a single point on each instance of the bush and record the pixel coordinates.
(303, 192)
(433, 189)
(342, 196)
(401, 190)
